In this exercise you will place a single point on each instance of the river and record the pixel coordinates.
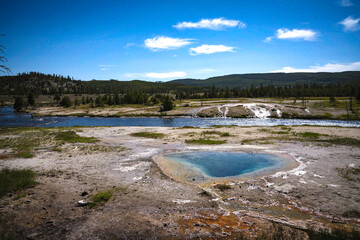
(8, 118)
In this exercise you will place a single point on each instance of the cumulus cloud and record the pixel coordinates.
(350, 24)
(330, 67)
(160, 42)
(284, 33)
(176, 74)
(304, 34)
(210, 49)
(213, 24)
(346, 3)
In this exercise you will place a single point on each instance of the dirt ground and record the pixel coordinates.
(147, 204)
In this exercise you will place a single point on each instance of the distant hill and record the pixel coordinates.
(40, 83)
(45, 84)
(276, 79)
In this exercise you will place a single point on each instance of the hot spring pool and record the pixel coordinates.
(205, 166)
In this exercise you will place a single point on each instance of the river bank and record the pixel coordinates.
(145, 203)
(231, 108)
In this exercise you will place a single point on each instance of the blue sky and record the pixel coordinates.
(163, 40)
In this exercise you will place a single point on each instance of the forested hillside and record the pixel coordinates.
(275, 79)
(238, 85)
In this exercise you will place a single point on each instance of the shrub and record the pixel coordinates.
(223, 187)
(102, 197)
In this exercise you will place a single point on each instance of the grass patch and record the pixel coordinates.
(335, 234)
(23, 144)
(24, 153)
(221, 134)
(223, 187)
(311, 135)
(14, 180)
(204, 141)
(72, 137)
(223, 126)
(351, 214)
(101, 198)
(286, 128)
(349, 173)
(264, 130)
(343, 141)
(148, 135)
(100, 148)
(56, 149)
(280, 132)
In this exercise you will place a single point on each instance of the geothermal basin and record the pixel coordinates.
(209, 167)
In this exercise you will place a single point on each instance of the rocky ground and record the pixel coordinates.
(147, 204)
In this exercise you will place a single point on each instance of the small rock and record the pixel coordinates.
(82, 203)
(165, 224)
(44, 208)
(84, 194)
(28, 201)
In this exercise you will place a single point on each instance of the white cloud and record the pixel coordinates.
(284, 33)
(104, 69)
(210, 49)
(176, 74)
(268, 39)
(346, 3)
(350, 24)
(214, 24)
(161, 42)
(330, 67)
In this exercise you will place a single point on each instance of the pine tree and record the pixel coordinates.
(66, 102)
(18, 104)
(77, 102)
(167, 104)
(116, 99)
(99, 102)
(31, 99)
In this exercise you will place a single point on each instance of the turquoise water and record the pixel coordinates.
(226, 164)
